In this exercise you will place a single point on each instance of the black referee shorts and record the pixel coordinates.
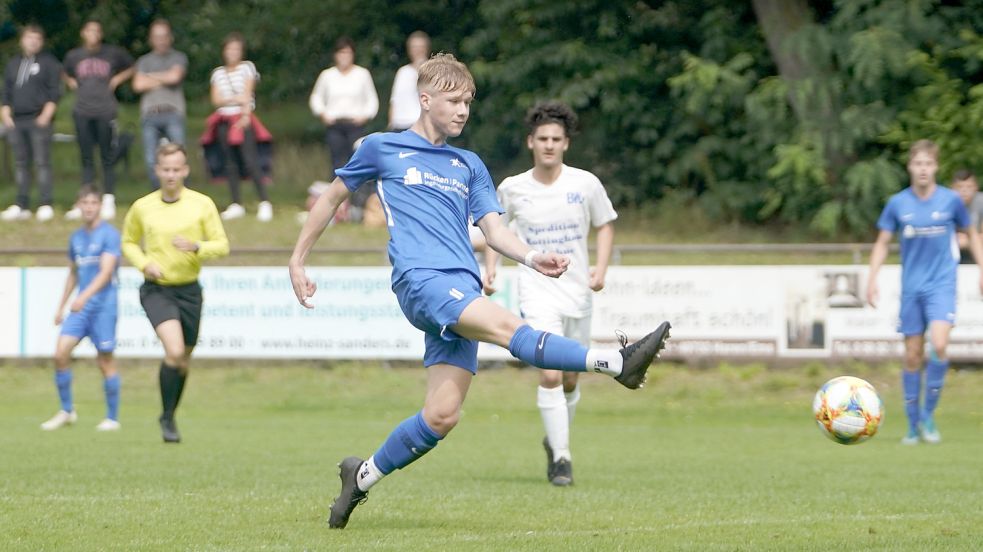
(181, 303)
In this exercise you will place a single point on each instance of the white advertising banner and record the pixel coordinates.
(726, 312)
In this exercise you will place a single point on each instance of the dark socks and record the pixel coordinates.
(171, 388)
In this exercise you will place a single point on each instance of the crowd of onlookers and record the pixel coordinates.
(236, 144)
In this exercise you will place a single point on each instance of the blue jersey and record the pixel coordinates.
(85, 248)
(929, 248)
(428, 192)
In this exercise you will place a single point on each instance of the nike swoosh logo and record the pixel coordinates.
(405, 154)
(542, 340)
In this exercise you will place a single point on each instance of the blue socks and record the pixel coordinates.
(912, 383)
(547, 350)
(934, 379)
(111, 386)
(409, 441)
(63, 380)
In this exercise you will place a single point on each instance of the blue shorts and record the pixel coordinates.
(98, 324)
(920, 309)
(432, 300)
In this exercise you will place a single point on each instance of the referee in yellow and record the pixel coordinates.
(178, 228)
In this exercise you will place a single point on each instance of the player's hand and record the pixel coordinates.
(328, 121)
(244, 121)
(488, 282)
(8, 121)
(550, 264)
(59, 317)
(304, 287)
(874, 294)
(596, 280)
(152, 272)
(184, 244)
(77, 305)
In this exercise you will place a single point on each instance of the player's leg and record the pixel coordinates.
(484, 320)
(165, 317)
(63, 373)
(941, 312)
(104, 337)
(550, 399)
(447, 386)
(912, 326)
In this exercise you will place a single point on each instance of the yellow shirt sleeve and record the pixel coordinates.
(132, 235)
(215, 243)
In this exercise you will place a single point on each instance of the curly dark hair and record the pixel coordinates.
(545, 113)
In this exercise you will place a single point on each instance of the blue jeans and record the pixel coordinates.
(31, 142)
(156, 126)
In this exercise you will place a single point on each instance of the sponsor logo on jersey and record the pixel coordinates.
(412, 177)
(575, 198)
(455, 162)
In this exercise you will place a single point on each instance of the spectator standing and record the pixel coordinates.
(404, 102)
(159, 76)
(344, 98)
(964, 183)
(31, 91)
(232, 92)
(94, 71)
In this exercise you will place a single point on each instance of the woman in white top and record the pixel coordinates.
(232, 86)
(344, 98)
(404, 102)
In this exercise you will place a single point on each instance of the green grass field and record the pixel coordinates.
(722, 458)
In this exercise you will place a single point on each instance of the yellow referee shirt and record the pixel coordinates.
(156, 222)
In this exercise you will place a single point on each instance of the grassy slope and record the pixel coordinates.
(715, 459)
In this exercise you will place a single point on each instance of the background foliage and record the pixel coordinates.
(765, 112)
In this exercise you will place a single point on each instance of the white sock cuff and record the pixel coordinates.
(604, 361)
(550, 398)
(573, 397)
(368, 474)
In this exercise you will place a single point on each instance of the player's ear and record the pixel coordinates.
(424, 100)
(529, 141)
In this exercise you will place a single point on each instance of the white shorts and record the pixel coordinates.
(577, 329)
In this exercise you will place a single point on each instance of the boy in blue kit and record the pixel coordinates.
(93, 252)
(428, 189)
(927, 217)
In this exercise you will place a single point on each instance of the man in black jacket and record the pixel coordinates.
(30, 92)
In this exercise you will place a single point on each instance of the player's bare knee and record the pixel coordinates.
(442, 419)
(548, 379)
(62, 359)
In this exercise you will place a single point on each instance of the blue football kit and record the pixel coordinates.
(428, 193)
(929, 254)
(97, 319)
(929, 261)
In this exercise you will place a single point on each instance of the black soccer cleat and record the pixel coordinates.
(562, 473)
(549, 458)
(639, 356)
(350, 496)
(168, 430)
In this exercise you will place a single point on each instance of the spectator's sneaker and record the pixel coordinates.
(108, 211)
(45, 213)
(61, 419)
(929, 433)
(562, 473)
(109, 425)
(233, 211)
(73, 214)
(549, 458)
(640, 354)
(911, 438)
(168, 430)
(14, 212)
(265, 211)
(350, 496)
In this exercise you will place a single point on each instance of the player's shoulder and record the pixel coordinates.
(516, 181)
(582, 176)
(469, 157)
(198, 198)
(148, 199)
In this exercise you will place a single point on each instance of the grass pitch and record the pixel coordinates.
(723, 458)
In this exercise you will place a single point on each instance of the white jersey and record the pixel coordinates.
(557, 218)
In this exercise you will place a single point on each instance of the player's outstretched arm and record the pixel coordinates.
(605, 244)
(878, 254)
(320, 215)
(503, 240)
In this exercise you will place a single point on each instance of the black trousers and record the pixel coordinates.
(92, 131)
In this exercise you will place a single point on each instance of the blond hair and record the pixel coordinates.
(171, 148)
(923, 146)
(444, 73)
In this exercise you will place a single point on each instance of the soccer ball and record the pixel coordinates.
(848, 410)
